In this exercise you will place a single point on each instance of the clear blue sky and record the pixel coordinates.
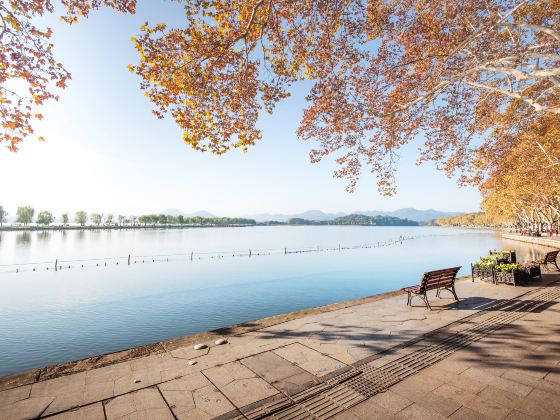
(106, 152)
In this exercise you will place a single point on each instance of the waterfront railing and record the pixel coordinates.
(192, 256)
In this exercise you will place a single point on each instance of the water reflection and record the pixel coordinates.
(44, 235)
(23, 238)
(80, 235)
(534, 253)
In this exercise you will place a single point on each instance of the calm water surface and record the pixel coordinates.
(50, 317)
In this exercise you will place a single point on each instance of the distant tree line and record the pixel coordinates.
(163, 219)
(25, 216)
(467, 219)
(3, 214)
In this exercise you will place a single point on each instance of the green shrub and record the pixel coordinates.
(483, 264)
(486, 262)
(507, 268)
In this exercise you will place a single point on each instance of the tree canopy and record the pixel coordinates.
(96, 218)
(25, 215)
(30, 75)
(3, 214)
(523, 185)
(382, 73)
(45, 218)
(80, 218)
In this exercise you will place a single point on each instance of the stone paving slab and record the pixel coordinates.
(30, 408)
(308, 359)
(89, 412)
(195, 397)
(285, 376)
(285, 358)
(239, 383)
(146, 404)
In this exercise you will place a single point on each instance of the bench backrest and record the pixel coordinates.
(438, 278)
(551, 256)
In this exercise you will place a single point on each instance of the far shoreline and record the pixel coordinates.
(147, 227)
(59, 227)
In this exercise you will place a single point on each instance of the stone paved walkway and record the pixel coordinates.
(512, 372)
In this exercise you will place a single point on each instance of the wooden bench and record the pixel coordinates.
(438, 279)
(549, 258)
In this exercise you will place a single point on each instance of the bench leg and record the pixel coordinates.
(454, 293)
(424, 297)
(426, 300)
(452, 290)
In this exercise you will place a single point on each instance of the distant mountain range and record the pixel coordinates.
(318, 215)
(407, 213)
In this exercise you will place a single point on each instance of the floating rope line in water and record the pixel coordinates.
(59, 265)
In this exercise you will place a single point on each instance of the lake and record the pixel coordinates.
(49, 316)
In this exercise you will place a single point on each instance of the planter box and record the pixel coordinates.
(483, 273)
(512, 277)
(532, 271)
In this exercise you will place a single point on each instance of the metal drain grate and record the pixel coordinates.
(276, 405)
(373, 381)
(364, 381)
(295, 412)
(343, 377)
(332, 402)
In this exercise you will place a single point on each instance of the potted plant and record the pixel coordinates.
(531, 270)
(508, 273)
(484, 268)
